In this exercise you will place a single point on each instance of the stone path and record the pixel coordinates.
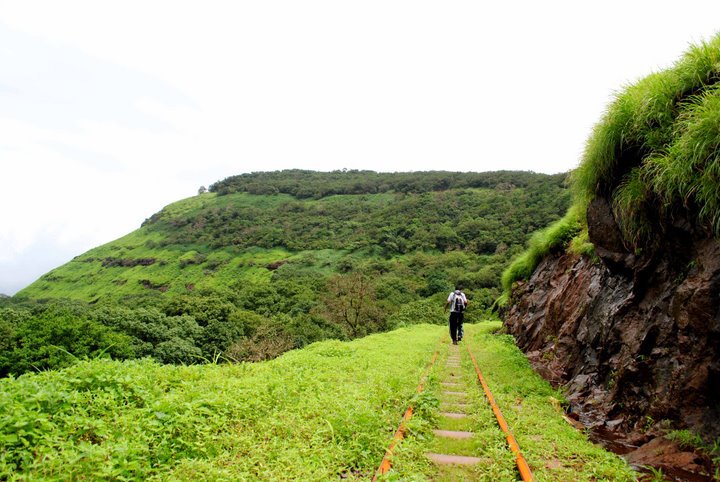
(454, 415)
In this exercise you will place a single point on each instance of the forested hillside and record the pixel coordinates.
(266, 262)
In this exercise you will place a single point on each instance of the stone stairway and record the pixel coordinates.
(454, 406)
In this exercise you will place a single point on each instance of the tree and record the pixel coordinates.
(350, 303)
(202, 190)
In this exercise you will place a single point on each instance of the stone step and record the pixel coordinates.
(458, 405)
(451, 384)
(457, 434)
(453, 414)
(448, 392)
(444, 459)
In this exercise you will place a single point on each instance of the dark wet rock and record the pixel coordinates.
(671, 458)
(633, 340)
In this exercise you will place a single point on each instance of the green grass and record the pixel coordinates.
(631, 206)
(311, 414)
(553, 448)
(642, 118)
(656, 148)
(85, 278)
(554, 237)
(689, 440)
(689, 171)
(321, 413)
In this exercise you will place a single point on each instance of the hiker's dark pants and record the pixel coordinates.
(456, 321)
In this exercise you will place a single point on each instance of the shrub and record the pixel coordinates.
(428, 310)
(57, 339)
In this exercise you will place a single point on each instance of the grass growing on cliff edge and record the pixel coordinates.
(643, 119)
(554, 237)
(655, 155)
(655, 151)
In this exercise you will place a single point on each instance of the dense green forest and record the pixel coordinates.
(267, 262)
(312, 184)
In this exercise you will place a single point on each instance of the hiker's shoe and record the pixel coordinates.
(454, 342)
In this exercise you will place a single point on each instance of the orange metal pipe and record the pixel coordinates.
(522, 464)
(400, 433)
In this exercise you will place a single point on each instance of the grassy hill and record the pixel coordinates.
(267, 262)
(217, 240)
(322, 413)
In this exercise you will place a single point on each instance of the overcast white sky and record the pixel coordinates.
(111, 110)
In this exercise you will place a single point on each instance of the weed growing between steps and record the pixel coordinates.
(315, 414)
(488, 443)
(554, 450)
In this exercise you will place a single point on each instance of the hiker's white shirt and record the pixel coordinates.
(452, 296)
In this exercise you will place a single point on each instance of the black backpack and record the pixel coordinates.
(458, 304)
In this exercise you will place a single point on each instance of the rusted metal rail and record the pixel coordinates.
(400, 433)
(522, 464)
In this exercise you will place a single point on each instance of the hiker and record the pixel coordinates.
(457, 301)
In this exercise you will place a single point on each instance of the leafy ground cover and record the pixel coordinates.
(322, 413)
(315, 414)
(554, 450)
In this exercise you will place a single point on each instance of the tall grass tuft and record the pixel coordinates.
(631, 208)
(688, 174)
(642, 120)
(554, 237)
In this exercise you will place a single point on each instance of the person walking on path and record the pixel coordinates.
(457, 301)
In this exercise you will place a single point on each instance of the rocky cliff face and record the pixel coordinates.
(633, 337)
